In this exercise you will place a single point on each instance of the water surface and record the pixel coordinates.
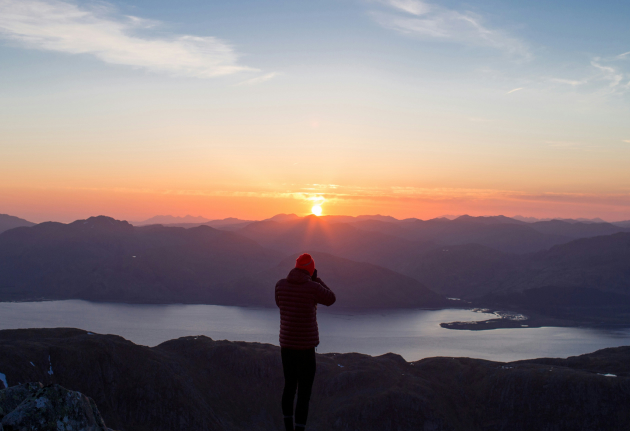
(414, 334)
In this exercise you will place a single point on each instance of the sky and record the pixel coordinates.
(251, 108)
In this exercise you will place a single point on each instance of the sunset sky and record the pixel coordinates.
(252, 108)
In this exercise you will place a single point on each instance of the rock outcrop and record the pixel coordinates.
(196, 383)
(34, 407)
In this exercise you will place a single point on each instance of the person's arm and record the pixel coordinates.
(323, 294)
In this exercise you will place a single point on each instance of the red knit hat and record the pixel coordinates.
(305, 261)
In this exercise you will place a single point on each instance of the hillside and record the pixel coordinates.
(103, 259)
(197, 383)
(356, 285)
(498, 232)
(340, 239)
(576, 229)
(601, 262)
(109, 260)
(169, 219)
(465, 271)
(9, 222)
(472, 271)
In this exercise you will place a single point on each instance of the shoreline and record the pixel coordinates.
(505, 319)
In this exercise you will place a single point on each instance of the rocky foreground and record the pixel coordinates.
(34, 407)
(195, 383)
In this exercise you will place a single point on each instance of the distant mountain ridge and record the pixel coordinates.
(372, 262)
(169, 219)
(472, 270)
(625, 223)
(104, 259)
(509, 234)
(568, 220)
(9, 222)
(357, 285)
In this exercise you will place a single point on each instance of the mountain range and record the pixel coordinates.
(197, 383)
(110, 260)
(9, 222)
(570, 220)
(169, 219)
(370, 261)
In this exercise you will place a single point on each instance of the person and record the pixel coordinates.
(297, 297)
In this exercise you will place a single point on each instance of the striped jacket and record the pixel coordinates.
(297, 297)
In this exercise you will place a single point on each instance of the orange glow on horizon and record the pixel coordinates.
(69, 204)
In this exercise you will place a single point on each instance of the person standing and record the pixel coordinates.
(297, 297)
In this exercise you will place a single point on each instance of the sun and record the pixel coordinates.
(317, 210)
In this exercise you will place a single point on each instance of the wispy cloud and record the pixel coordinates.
(627, 141)
(419, 18)
(413, 7)
(623, 56)
(603, 76)
(515, 90)
(609, 73)
(259, 79)
(97, 30)
(571, 82)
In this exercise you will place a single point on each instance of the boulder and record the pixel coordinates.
(34, 407)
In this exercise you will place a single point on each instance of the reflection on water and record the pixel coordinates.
(414, 334)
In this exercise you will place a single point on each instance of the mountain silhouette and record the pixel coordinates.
(230, 223)
(464, 271)
(105, 259)
(601, 262)
(472, 271)
(314, 233)
(356, 285)
(624, 224)
(500, 233)
(169, 219)
(576, 229)
(373, 263)
(9, 222)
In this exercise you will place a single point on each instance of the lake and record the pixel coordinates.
(414, 334)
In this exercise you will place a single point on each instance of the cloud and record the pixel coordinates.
(515, 90)
(623, 56)
(413, 7)
(423, 19)
(259, 79)
(605, 76)
(571, 82)
(609, 73)
(626, 141)
(55, 25)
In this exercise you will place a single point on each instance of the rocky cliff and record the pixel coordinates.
(195, 383)
(34, 407)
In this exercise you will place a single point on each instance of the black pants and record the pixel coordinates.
(299, 372)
